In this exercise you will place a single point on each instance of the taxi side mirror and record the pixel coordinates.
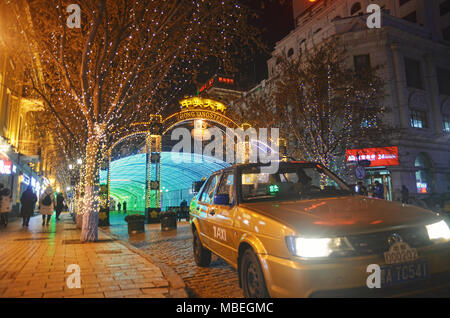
(222, 199)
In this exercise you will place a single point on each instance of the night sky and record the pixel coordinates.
(275, 21)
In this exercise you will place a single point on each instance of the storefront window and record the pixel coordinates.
(446, 123)
(423, 174)
(419, 119)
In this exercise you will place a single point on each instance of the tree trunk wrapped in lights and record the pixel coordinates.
(91, 189)
(129, 59)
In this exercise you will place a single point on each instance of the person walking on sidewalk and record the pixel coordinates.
(59, 204)
(46, 205)
(5, 205)
(378, 190)
(405, 194)
(28, 202)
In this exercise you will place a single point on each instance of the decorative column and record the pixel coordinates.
(153, 179)
(433, 90)
(400, 85)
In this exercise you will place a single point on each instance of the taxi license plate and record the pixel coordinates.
(404, 272)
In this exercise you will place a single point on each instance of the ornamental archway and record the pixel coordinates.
(143, 177)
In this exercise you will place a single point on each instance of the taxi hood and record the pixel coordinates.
(342, 216)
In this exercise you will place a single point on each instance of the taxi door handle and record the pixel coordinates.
(212, 212)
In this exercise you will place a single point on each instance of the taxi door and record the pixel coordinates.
(221, 218)
(202, 208)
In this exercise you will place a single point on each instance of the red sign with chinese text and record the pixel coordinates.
(383, 156)
(5, 166)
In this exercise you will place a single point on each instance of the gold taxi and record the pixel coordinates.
(302, 232)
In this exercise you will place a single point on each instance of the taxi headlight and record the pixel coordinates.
(438, 231)
(318, 247)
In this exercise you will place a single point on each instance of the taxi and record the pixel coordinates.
(302, 232)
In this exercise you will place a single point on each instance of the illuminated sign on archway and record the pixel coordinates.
(198, 102)
(130, 184)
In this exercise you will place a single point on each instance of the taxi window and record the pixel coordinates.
(208, 192)
(226, 186)
(290, 182)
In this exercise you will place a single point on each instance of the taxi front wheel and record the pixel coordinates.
(252, 277)
(202, 256)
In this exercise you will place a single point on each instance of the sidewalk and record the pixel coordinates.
(34, 260)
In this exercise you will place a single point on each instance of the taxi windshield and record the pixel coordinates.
(291, 182)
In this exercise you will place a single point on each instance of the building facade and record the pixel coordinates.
(25, 151)
(413, 46)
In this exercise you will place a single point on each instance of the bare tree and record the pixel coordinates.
(128, 60)
(326, 105)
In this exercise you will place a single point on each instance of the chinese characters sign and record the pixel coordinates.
(383, 156)
(197, 102)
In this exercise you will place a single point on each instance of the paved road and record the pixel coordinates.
(174, 249)
(34, 262)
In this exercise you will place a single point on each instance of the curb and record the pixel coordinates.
(177, 287)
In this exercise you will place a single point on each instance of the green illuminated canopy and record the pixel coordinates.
(178, 172)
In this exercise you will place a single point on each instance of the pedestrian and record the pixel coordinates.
(124, 206)
(28, 202)
(119, 206)
(5, 205)
(59, 205)
(183, 203)
(378, 191)
(405, 194)
(362, 190)
(47, 205)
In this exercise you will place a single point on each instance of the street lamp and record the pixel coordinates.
(70, 166)
(79, 161)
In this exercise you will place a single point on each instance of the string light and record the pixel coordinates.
(103, 77)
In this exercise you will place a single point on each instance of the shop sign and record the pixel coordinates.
(5, 166)
(378, 157)
(25, 179)
(422, 187)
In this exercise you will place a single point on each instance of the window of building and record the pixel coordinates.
(424, 174)
(355, 8)
(419, 119)
(446, 123)
(412, 17)
(446, 33)
(443, 77)
(290, 52)
(362, 63)
(444, 7)
(336, 18)
(413, 73)
(402, 2)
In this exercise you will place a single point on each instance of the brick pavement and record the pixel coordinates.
(33, 263)
(174, 249)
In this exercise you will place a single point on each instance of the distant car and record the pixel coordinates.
(302, 232)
